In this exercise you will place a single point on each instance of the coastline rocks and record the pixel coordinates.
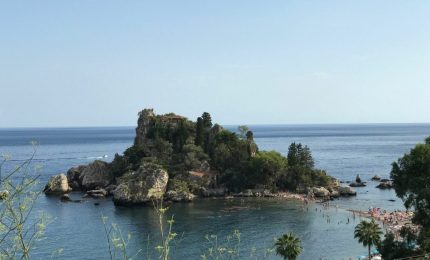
(334, 194)
(346, 191)
(385, 185)
(96, 194)
(357, 184)
(376, 178)
(109, 189)
(73, 176)
(180, 196)
(219, 192)
(320, 192)
(96, 174)
(57, 184)
(358, 179)
(140, 187)
(65, 198)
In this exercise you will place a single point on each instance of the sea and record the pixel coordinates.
(76, 230)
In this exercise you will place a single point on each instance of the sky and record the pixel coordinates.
(99, 62)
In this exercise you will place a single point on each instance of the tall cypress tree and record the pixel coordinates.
(200, 132)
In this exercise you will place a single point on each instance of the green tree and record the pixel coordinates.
(392, 249)
(411, 178)
(200, 132)
(243, 129)
(207, 120)
(299, 155)
(266, 168)
(288, 246)
(368, 233)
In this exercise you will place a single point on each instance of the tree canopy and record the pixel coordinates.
(411, 179)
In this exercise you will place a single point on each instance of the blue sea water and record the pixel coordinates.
(343, 150)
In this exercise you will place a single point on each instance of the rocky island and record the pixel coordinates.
(176, 159)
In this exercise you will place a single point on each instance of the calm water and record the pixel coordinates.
(343, 150)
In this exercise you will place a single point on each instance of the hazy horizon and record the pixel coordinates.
(80, 63)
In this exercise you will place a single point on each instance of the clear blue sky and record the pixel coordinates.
(97, 63)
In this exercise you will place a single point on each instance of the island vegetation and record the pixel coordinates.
(177, 159)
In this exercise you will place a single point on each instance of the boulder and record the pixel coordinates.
(358, 179)
(376, 178)
(346, 191)
(142, 186)
(110, 189)
(357, 184)
(98, 193)
(320, 192)
(385, 185)
(73, 176)
(334, 194)
(65, 198)
(96, 174)
(57, 184)
(180, 196)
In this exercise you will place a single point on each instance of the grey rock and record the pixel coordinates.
(376, 178)
(142, 186)
(98, 193)
(219, 192)
(180, 196)
(346, 191)
(385, 185)
(65, 198)
(57, 184)
(320, 192)
(74, 176)
(96, 174)
(143, 123)
(357, 184)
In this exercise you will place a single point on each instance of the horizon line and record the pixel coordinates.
(226, 125)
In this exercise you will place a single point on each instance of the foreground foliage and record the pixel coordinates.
(20, 228)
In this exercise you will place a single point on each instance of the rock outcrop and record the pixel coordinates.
(73, 177)
(99, 193)
(142, 186)
(143, 123)
(376, 178)
(358, 182)
(57, 184)
(346, 191)
(96, 175)
(179, 196)
(385, 185)
(320, 192)
(217, 192)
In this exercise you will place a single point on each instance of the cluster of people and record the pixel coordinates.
(391, 218)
